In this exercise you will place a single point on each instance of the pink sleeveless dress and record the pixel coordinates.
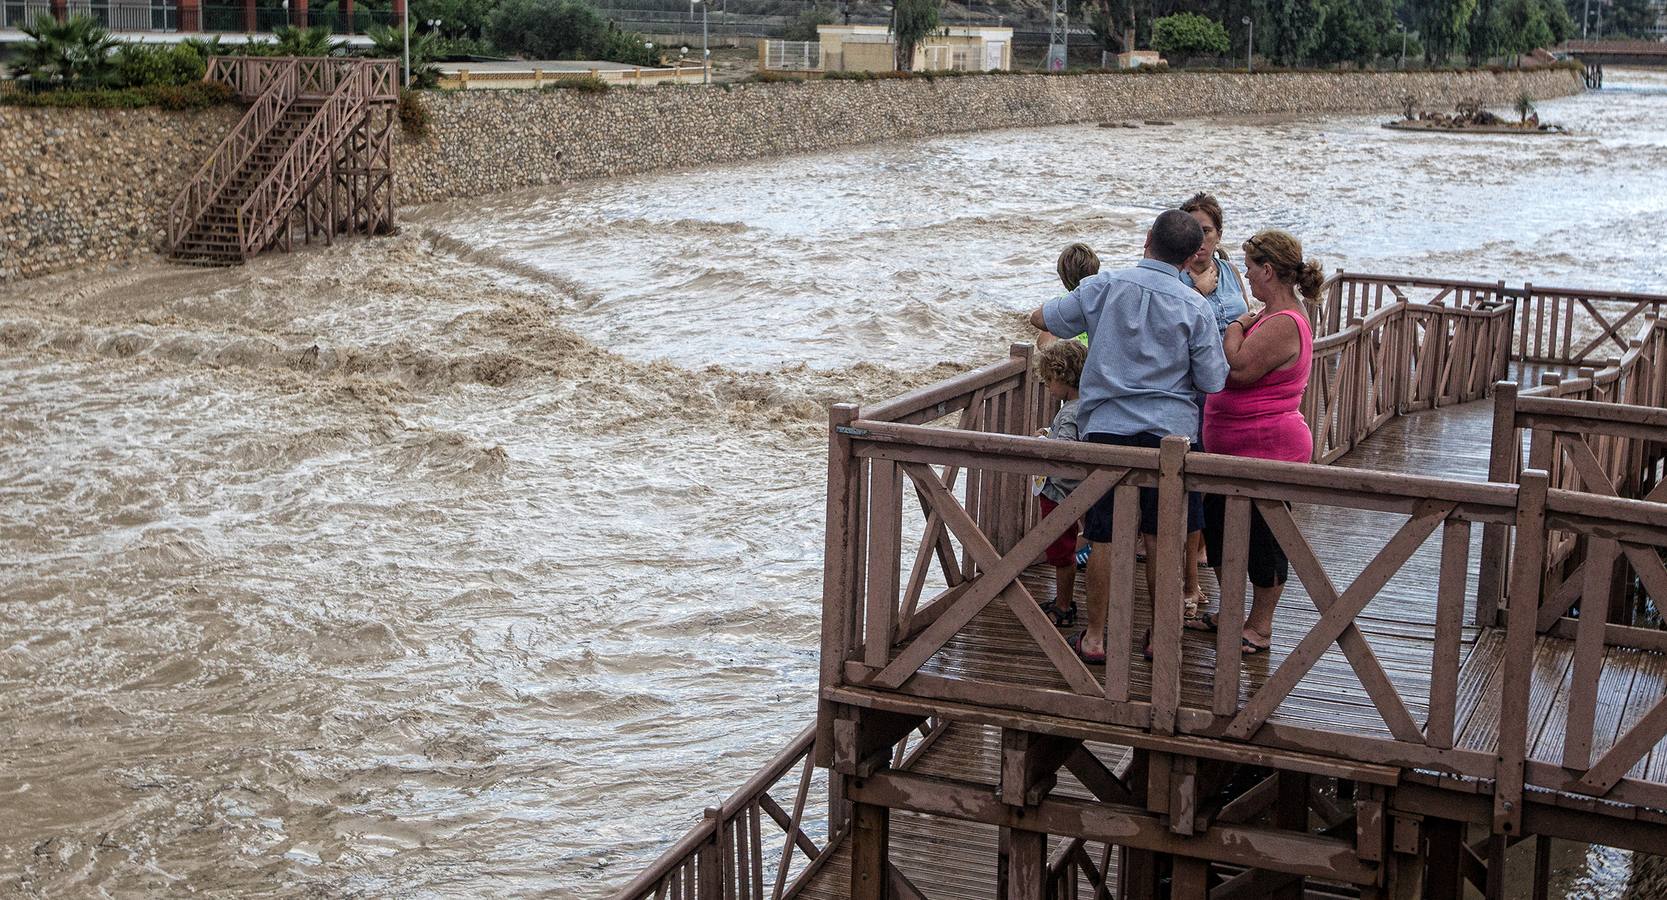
(1264, 420)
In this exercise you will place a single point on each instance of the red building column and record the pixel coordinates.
(59, 9)
(190, 15)
(249, 16)
(299, 7)
(348, 25)
(399, 13)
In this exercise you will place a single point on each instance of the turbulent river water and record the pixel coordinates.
(477, 560)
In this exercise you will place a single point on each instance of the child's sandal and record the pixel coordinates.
(1061, 618)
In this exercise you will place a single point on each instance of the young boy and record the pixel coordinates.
(1076, 262)
(1059, 365)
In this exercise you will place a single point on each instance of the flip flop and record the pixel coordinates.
(1247, 648)
(1093, 659)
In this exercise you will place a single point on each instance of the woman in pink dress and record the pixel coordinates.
(1258, 415)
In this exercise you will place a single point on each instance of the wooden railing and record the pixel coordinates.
(1400, 357)
(732, 854)
(265, 213)
(1552, 325)
(315, 76)
(1591, 433)
(232, 155)
(1074, 864)
(877, 644)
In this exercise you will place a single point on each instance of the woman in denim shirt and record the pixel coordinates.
(1212, 275)
(1209, 271)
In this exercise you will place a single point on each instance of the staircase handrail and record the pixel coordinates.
(234, 151)
(268, 205)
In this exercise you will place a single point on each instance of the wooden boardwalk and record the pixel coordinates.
(952, 858)
(1462, 652)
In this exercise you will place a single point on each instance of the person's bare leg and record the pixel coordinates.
(1150, 541)
(1095, 597)
(1258, 626)
(1064, 587)
(1191, 590)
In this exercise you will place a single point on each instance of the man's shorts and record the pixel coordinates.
(1096, 525)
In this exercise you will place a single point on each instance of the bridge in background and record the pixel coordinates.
(1469, 656)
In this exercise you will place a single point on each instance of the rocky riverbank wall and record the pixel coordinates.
(85, 186)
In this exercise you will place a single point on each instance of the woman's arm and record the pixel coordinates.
(1249, 357)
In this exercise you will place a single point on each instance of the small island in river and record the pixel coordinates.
(1470, 117)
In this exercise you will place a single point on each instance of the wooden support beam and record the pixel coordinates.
(1100, 780)
(1300, 854)
(1183, 794)
(1290, 812)
(1027, 865)
(863, 738)
(1137, 874)
(1029, 763)
(870, 849)
(1370, 835)
(1443, 870)
(1190, 879)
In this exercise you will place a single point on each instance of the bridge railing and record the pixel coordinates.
(1606, 749)
(233, 153)
(771, 836)
(1551, 325)
(1401, 356)
(1598, 432)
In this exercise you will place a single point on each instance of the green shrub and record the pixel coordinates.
(198, 95)
(589, 84)
(139, 65)
(1189, 34)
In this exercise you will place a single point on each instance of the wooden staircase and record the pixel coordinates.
(314, 149)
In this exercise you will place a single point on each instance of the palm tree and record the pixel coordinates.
(73, 53)
(388, 42)
(313, 41)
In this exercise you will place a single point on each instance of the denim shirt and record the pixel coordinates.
(1153, 350)
(1227, 300)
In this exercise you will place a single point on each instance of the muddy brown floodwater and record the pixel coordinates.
(478, 560)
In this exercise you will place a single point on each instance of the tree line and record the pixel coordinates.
(1324, 32)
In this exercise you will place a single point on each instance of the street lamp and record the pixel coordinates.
(405, 26)
(705, 54)
(1250, 43)
(1403, 61)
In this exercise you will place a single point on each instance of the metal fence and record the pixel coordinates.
(165, 16)
(793, 56)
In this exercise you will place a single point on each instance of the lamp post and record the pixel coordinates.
(705, 54)
(405, 25)
(1586, 19)
(1250, 44)
(1402, 62)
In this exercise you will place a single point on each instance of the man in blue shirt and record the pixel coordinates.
(1153, 348)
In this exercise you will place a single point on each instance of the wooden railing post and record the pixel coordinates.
(839, 569)
(710, 858)
(1504, 459)
(1166, 597)
(1527, 573)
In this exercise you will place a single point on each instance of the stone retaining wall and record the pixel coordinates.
(84, 186)
(483, 142)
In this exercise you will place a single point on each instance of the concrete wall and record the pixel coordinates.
(84, 186)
